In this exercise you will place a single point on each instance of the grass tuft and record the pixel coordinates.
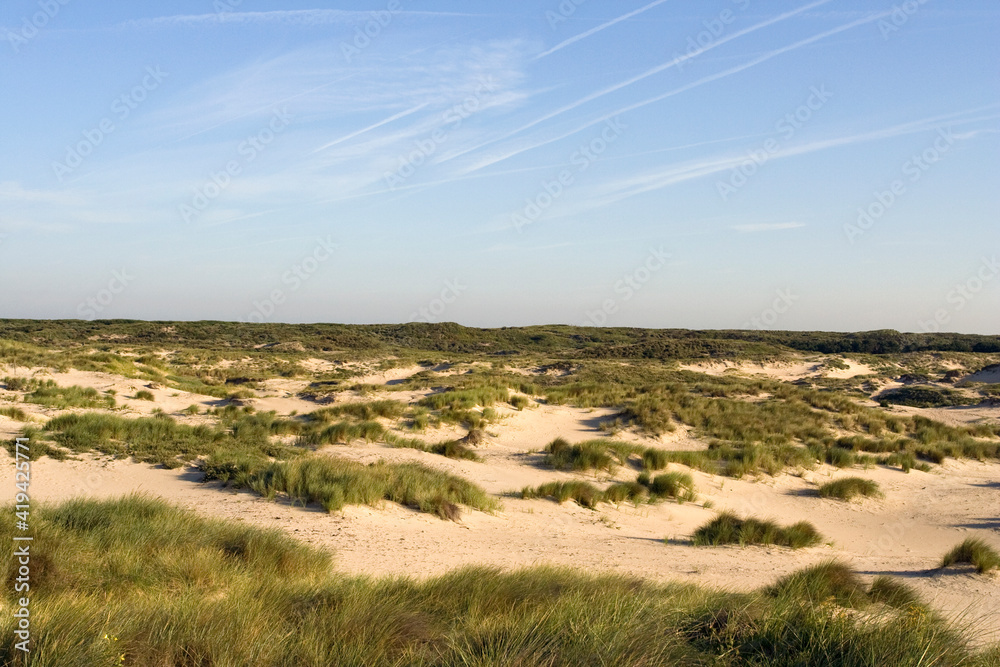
(727, 528)
(975, 552)
(819, 583)
(335, 482)
(676, 485)
(893, 592)
(847, 488)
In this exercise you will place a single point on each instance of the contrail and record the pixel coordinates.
(371, 127)
(695, 84)
(599, 28)
(639, 77)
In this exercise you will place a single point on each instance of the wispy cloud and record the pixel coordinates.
(673, 175)
(767, 227)
(584, 35)
(644, 75)
(300, 17)
(379, 124)
(695, 84)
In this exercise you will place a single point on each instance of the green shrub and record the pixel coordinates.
(926, 397)
(975, 552)
(144, 395)
(847, 488)
(20, 384)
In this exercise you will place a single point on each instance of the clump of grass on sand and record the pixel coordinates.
(17, 414)
(847, 488)
(584, 493)
(675, 485)
(48, 393)
(588, 455)
(835, 581)
(975, 552)
(138, 582)
(335, 482)
(727, 528)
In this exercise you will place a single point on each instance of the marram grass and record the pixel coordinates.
(135, 581)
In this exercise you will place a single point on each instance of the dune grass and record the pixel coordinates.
(727, 528)
(364, 411)
(17, 414)
(584, 493)
(49, 394)
(926, 397)
(673, 485)
(832, 580)
(848, 488)
(676, 485)
(151, 439)
(137, 582)
(893, 592)
(336, 482)
(588, 455)
(145, 395)
(975, 552)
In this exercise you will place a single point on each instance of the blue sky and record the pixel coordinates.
(816, 165)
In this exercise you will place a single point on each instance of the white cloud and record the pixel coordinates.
(302, 17)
